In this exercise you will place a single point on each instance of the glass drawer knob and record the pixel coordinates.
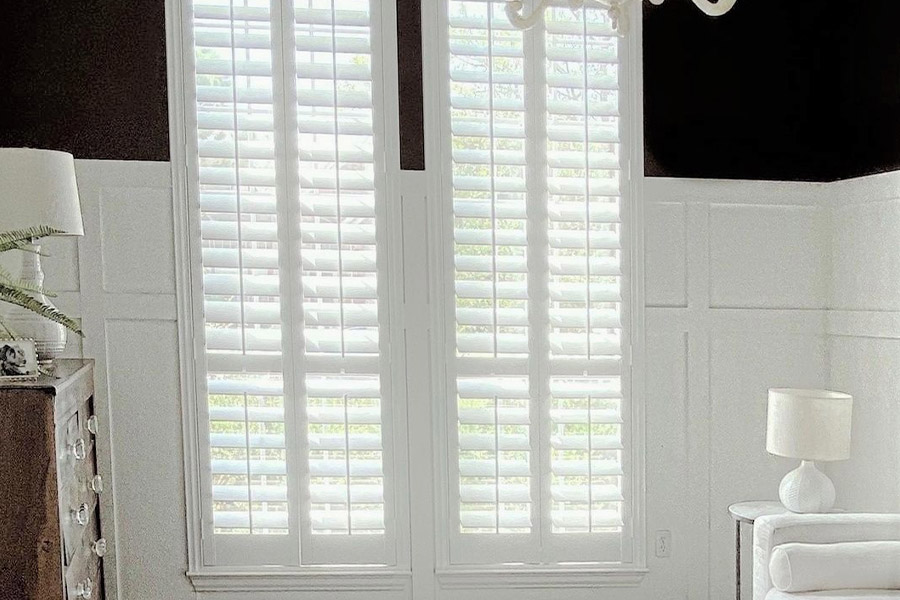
(85, 589)
(79, 449)
(92, 424)
(99, 547)
(97, 484)
(82, 516)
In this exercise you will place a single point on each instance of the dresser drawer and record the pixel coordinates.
(67, 436)
(79, 484)
(84, 578)
(78, 476)
(78, 520)
(75, 438)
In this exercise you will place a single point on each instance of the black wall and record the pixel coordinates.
(775, 89)
(85, 76)
(867, 88)
(409, 65)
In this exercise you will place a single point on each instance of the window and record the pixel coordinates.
(296, 253)
(539, 363)
(289, 201)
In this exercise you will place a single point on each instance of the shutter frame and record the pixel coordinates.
(563, 347)
(282, 253)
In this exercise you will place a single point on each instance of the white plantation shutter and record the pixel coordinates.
(288, 193)
(538, 468)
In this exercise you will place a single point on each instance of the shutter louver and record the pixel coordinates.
(288, 194)
(338, 268)
(487, 122)
(585, 270)
(238, 224)
(535, 190)
(494, 455)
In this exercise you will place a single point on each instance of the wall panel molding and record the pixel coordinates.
(732, 354)
(863, 328)
(128, 333)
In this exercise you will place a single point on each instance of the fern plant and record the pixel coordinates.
(19, 293)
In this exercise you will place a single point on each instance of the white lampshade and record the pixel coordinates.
(809, 424)
(37, 187)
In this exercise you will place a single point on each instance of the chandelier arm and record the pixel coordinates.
(715, 9)
(518, 20)
(712, 9)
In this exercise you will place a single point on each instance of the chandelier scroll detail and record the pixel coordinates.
(614, 8)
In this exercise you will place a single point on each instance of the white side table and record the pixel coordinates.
(748, 512)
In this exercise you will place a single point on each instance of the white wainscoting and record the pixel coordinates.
(864, 336)
(119, 279)
(738, 279)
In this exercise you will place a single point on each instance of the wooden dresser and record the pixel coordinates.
(50, 537)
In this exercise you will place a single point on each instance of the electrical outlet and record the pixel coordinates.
(663, 543)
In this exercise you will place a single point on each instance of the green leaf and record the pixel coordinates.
(14, 240)
(9, 332)
(20, 298)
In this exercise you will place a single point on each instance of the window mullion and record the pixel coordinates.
(290, 286)
(538, 278)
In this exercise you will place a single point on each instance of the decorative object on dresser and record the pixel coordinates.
(18, 360)
(50, 530)
(38, 197)
(810, 425)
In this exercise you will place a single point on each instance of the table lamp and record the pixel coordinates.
(810, 425)
(37, 187)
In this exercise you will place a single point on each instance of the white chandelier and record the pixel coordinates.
(614, 8)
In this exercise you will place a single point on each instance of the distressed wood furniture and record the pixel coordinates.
(50, 537)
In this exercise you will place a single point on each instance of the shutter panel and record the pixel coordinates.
(537, 355)
(236, 192)
(335, 113)
(288, 192)
(494, 436)
(583, 182)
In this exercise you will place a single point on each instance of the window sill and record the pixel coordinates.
(299, 580)
(313, 579)
(540, 578)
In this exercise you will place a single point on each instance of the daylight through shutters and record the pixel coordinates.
(302, 224)
(289, 194)
(537, 364)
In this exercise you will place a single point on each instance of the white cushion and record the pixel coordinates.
(797, 567)
(835, 595)
(773, 530)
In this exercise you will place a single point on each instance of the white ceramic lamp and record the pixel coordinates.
(37, 187)
(810, 425)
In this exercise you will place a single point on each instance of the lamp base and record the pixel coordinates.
(49, 337)
(806, 489)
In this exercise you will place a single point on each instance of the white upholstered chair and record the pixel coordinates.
(773, 531)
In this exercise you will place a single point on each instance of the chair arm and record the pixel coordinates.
(772, 530)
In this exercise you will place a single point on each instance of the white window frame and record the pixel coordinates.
(202, 571)
(632, 568)
(417, 329)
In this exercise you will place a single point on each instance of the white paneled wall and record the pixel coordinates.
(737, 279)
(739, 276)
(864, 337)
(119, 279)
